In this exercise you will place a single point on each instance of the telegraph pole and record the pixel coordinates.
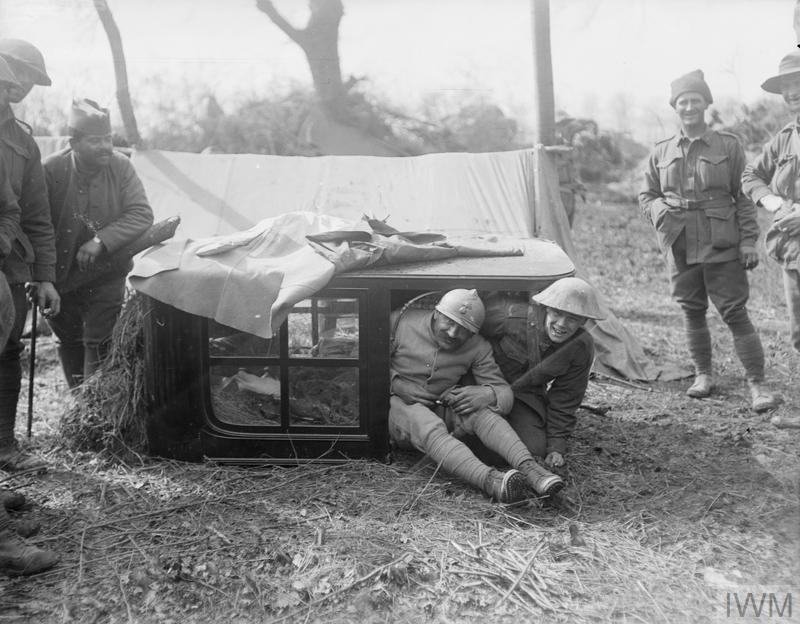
(543, 100)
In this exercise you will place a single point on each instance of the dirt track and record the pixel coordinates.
(684, 503)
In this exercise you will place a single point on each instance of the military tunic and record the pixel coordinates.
(777, 171)
(549, 380)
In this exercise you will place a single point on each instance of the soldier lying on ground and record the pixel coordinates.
(431, 353)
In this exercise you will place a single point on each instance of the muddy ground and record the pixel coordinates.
(687, 507)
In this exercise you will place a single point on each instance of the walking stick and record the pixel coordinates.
(32, 365)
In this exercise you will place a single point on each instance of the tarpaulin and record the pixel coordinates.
(513, 193)
(250, 280)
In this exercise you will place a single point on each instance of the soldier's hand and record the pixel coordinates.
(411, 392)
(554, 460)
(46, 297)
(771, 203)
(88, 254)
(749, 259)
(790, 224)
(466, 400)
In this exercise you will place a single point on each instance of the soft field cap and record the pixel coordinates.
(88, 117)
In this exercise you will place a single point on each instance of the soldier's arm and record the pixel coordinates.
(136, 217)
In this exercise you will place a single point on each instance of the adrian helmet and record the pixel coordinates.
(20, 51)
(464, 307)
(571, 295)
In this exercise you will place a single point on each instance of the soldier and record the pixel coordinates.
(16, 555)
(431, 354)
(773, 182)
(98, 205)
(33, 260)
(707, 229)
(546, 355)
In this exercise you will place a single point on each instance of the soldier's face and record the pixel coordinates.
(691, 108)
(25, 77)
(448, 334)
(93, 150)
(561, 326)
(790, 89)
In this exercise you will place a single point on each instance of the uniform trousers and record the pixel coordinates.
(11, 369)
(726, 285)
(416, 426)
(791, 286)
(85, 324)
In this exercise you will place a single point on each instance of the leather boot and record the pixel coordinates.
(14, 460)
(92, 356)
(18, 557)
(543, 482)
(72, 364)
(506, 487)
(702, 386)
(11, 500)
(763, 399)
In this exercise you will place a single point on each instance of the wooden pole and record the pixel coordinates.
(544, 119)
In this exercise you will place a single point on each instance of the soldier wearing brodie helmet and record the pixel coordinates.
(431, 354)
(546, 355)
(27, 63)
(32, 260)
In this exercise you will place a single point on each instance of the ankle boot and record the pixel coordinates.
(506, 487)
(763, 399)
(11, 500)
(18, 557)
(543, 482)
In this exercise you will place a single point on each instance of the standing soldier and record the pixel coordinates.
(98, 205)
(773, 182)
(32, 261)
(707, 229)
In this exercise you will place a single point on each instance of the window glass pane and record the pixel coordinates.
(324, 328)
(323, 396)
(246, 396)
(226, 341)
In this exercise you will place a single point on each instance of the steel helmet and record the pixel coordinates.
(571, 295)
(464, 307)
(28, 54)
(6, 75)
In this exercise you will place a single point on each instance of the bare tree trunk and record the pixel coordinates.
(319, 41)
(120, 72)
(543, 98)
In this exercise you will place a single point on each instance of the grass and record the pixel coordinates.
(682, 504)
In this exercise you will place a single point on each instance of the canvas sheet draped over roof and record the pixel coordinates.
(513, 193)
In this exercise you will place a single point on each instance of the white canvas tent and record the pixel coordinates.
(509, 193)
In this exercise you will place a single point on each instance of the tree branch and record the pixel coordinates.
(298, 36)
(120, 71)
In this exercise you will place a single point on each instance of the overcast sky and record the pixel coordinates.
(612, 59)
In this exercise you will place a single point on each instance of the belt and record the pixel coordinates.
(698, 204)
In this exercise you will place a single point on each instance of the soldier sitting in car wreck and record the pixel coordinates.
(431, 354)
(546, 355)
